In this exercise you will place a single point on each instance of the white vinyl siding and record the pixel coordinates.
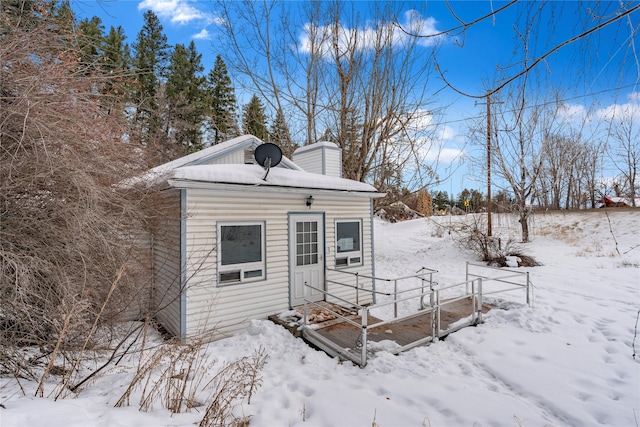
(166, 263)
(234, 157)
(228, 309)
(322, 158)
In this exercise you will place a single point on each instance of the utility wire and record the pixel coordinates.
(543, 104)
(540, 58)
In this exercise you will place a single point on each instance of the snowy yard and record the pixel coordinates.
(568, 360)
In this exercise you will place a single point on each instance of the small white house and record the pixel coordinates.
(240, 244)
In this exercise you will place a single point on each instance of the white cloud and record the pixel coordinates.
(424, 27)
(447, 133)
(202, 35)
(449, 155)
(179, 12)
(571, 112)
(368, 36)
(634, 97)
(630, 110)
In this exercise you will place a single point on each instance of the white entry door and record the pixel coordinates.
(306, 255)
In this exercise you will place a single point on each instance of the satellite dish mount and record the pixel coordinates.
(267, 155)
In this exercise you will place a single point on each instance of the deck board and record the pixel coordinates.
(402, 332)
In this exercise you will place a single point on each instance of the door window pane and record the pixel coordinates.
(306, 242)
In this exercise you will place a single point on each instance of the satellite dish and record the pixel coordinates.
(267, 155)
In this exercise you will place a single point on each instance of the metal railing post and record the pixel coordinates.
(438, 316)
(480, 300)
(365, 315)
(395, 298)
(528, 301)
(466, 278)
(422, 280)
(433, 314)
(304, 297)
(357, 289)
(474, 316)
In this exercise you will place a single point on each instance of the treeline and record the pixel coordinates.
(172, 107)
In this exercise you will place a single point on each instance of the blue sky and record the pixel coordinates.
(596, 74)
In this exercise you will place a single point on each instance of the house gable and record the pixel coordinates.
(233, 151)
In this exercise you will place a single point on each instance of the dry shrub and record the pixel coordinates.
(173, 376)
(237, 380)
(493, 250)
(71, 254)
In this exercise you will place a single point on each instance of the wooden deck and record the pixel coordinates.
(403, 332)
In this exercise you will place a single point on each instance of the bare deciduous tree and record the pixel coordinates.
(624, 149)
(361, 85)
(522, 133)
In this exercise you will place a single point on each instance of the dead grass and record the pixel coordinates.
(177, 377)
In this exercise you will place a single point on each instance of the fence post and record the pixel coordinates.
(528, 290)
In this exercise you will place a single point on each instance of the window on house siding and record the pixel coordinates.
(241, 252)
(348, 242)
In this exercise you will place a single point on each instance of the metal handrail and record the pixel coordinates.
(430, 271)
(523, 274)
(433, 308)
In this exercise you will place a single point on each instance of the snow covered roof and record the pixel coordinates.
(620, 200)
(207, 166)
(253, 175)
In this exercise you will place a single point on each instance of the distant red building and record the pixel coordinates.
(618, 202)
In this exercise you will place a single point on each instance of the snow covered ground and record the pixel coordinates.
(565, 361)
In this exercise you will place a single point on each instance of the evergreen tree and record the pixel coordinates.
(185, 97)
(91, 42)
(441, 200)
(65, 20)
(19, 14)
(116, 63)
(464, 196)
(254, 120)
(280, 135)
(151, 53)
(223, 117)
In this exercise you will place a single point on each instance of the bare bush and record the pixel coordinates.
(71, 257)
(173, 377)
(235, 381)
(494, 250)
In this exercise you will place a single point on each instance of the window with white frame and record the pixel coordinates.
(241, 252)
(348, 242)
